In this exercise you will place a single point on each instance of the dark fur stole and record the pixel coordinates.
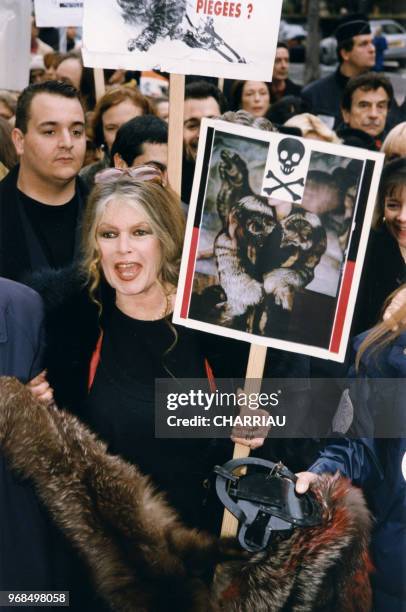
(143, 559)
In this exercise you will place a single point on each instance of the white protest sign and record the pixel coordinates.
(15, 37)
(220, 38)
(58, 13)
(276, 235)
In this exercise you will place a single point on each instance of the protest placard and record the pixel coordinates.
(58, 13)
(221, 38)
(15, 37)
(276, 236)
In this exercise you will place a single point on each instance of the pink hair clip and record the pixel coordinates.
(138, 173)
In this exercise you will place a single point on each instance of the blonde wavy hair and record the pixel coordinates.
(312, 126)
(394, 144)
(386, 331)
(162, 207)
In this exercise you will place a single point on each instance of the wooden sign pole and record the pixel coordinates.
(175, 133)
(253, 378)
(99, 84)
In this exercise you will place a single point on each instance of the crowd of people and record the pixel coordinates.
(91, 236)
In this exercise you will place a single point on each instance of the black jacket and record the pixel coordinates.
(357, 138)
(20, 250)
(291, 89)
(384, 271)
(72, 328)
(324, 95)
(324, 98)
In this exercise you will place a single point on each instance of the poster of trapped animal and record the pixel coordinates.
(234, 39)
(276, 236)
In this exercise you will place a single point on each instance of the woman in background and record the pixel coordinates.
(116, 107)
(384, 268)
(251, 96)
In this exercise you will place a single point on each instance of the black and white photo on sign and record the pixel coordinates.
(268, 259)
(58, 13)
(223, 38)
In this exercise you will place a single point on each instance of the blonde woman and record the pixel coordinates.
(119, 338)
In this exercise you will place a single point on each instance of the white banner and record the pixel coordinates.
(58, 13)
(15, 37)
(220, 38)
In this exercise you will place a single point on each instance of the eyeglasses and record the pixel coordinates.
(138, 173)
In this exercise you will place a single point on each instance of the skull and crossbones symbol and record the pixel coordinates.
(290, 154)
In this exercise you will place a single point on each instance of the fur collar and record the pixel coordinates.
(317, 569)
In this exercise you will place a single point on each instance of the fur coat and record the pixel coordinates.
(142, 559)
(317, 569)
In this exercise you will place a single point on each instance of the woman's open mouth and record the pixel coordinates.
(127, 271)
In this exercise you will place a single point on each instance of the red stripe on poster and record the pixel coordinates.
(342, 306)
(189, 273)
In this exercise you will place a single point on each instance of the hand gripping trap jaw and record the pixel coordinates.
(264, 500)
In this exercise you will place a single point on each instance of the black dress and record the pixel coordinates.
(121, 409)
